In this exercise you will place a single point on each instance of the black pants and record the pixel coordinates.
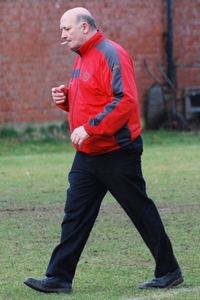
(90, 178)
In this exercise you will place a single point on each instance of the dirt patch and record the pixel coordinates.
(33, 209)
(106, 208)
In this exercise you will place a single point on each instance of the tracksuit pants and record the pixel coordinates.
(118, 172)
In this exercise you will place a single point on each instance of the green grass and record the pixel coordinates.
(33, 182)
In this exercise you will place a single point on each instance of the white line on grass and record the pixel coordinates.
(168, 293)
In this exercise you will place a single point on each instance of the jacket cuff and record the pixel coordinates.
(87, 129)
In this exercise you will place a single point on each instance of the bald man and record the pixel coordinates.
(104, 121)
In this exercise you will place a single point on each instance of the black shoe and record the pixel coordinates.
(49, 285)
(167, 281)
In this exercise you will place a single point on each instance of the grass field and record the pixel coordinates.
(33, 182)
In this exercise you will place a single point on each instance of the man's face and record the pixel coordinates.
(72, 32)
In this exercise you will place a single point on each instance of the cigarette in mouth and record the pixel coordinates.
(65, 42)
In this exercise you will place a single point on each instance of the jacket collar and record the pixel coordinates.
(91, 43)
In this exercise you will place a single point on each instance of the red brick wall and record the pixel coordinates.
(32, 59)
(187, 42)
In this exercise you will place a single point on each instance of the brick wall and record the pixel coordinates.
(32, 59)
(187, 42)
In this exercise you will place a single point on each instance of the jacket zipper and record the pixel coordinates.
(75, 98)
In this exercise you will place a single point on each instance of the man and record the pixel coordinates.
(105, 130)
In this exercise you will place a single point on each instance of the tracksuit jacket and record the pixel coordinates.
(102, 96)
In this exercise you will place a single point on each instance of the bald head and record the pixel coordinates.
(77, 11)
(77, 26)
(79, 15)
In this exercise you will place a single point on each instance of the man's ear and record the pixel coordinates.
(85, 27)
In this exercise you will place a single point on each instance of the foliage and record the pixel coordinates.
(34, 133)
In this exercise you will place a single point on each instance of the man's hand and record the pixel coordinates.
(59, 94)
(79, 135)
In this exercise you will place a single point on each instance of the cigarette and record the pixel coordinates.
(65, 42)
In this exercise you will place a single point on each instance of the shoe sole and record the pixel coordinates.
(58, 291)
(175, 283)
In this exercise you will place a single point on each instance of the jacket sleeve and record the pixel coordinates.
(64, 106)
(123, 102)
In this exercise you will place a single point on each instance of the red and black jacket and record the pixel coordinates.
(102, 96)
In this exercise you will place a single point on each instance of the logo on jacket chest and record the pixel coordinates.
(86, 76)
